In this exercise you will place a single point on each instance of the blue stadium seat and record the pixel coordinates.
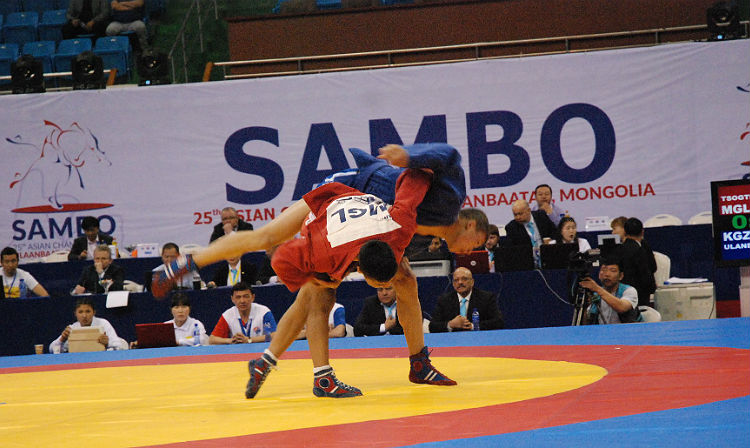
(50, 27)
(114, 51)
(38, 6)
(8, 54)
(8, 7)
(328, 4)
(43, 50)
(67, 50)
(20, 27)
(395, 2)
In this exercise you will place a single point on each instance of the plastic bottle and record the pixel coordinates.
(116, 253)
(21, 289)
(196, 335)
(475, 319)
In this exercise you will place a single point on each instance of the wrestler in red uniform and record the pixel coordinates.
(343, 224)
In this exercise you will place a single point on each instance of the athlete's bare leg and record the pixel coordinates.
(293, 320)
(281, 229)
(317, 324)
(409, 310)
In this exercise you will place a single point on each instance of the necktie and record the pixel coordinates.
(464, 304)
(530, 226)
(234, 277)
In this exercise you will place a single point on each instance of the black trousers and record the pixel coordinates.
(71, 32)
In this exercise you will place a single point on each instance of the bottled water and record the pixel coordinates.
(196, 335)
(475, 319)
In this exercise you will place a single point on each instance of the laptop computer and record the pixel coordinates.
(513, 258)
(478, 261)
(155, 335)
(607, 244)
(557, 256)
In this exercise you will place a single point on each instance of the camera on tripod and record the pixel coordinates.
(581, 263)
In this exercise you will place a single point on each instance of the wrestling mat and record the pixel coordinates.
(659, 384)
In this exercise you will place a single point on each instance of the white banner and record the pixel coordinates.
(631, 132)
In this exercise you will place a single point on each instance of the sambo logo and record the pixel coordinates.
(58, 170)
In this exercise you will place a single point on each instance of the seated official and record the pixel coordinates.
(17, 283)
(618, 227)
(266, 274)
(543, 202)
(184, 324)
(169, 253)
(336, 323)
(379, 315)
(85, 314)
(101, 277)
(613, 302)
(230, 222)
(83, 247)
(453, 310)
(235, 270)
(246, 321)
(569, 234)
(529, 229)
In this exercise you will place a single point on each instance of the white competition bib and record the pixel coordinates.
(354, 217)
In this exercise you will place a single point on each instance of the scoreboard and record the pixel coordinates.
(730, 204)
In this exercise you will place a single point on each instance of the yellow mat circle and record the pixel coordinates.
(146, 405)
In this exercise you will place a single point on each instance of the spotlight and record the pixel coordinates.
(723, 21)
(27, 75)
(88, 72)
(153, 68)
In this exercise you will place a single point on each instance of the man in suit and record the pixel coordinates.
(529, 228)
(83, 247)
(235, 270)
(378, 315)
(453, 309)
(230, 222)
(638, 263)
(102, 276)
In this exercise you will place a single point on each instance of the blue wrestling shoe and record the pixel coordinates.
(259, 369)
(422, 371)
(326, 384)
(163, 281)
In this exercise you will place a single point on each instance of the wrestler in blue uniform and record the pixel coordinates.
(443, 200)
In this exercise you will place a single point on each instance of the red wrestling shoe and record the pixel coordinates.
(326, 384)
(163, 281)
(422, 371)
(259, 369)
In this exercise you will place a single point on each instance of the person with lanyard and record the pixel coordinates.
(16, 282)
(529, 228)
(378, 315)
(235, 270)
(245, 322)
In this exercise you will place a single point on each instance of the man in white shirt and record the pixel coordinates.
(246, 321)
(14, 278)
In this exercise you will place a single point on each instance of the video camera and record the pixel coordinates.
(581, 263)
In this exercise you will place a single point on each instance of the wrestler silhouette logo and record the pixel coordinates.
(60, 164)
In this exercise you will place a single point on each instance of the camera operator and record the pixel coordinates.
(613, 302)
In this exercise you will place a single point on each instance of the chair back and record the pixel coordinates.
(701, 218)
(663, 268)
(662, 219)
